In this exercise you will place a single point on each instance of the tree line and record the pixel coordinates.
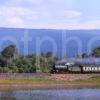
(94, 53)
(12, 62)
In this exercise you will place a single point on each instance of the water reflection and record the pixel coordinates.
(90, 94)
(7, 95)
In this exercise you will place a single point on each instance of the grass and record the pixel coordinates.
(25, 80)
(92, 79)
(44, 79)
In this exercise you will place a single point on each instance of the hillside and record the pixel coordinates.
(58, 38)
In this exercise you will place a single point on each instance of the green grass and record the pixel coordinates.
(45, 79)
(93, 79)
(31, 79)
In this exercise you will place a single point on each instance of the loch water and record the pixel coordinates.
(80, 94)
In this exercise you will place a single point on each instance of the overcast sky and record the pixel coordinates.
(50, 14)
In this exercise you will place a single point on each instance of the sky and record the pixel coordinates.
(50, 14)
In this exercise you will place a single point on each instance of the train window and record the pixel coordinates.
(89, 68)
(93, 69)
(99, 68)
(84, 68)
(96, 68)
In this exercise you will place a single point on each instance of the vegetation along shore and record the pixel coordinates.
(49, 81)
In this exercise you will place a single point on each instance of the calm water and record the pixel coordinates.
(90, 94)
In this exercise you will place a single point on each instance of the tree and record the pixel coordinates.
(84, 55)
(49, 54)
(1, 70)
(11, 62)
(96, 52)
(13, 69)
(9, 54)
(5, 69)
(3, 62)
(46, 61)
(26, 64)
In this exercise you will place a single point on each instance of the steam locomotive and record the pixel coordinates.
(86, 65)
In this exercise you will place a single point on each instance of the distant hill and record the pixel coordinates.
(58, 37)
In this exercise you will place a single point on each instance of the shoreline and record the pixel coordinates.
(55, 81)
(48, 85)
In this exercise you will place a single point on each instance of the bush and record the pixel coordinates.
(13, 69)
(5, 69)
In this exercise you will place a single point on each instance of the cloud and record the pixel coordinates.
(26, 18)
(23, 2)
(15, 16)
(49, 14)
(70, 25)
(79, 25)
(9, 10)
(72, 14)
(16, 21)
(92, 24)
(36, 1)
(21, 17)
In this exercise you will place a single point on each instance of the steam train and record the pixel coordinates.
(86, 65)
